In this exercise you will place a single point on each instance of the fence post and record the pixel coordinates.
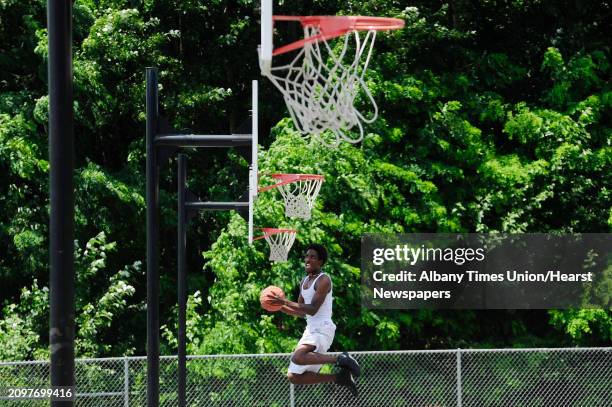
(126, 382)
(291, 395)
(459, 390)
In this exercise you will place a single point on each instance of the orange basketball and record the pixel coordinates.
(267, 295)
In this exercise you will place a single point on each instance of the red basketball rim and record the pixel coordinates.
(290, 178)
(273, 231)
(336, 26)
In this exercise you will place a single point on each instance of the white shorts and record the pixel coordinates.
(320, 335)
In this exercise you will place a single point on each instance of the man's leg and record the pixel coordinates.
(342, 378)
(305, 355)
(311, 378)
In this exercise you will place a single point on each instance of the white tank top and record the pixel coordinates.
(325, 310)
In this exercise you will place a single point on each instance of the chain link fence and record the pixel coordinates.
(474, 378)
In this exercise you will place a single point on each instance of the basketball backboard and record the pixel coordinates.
(253, 169)
(265, 47)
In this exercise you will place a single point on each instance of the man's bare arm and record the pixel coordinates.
(322, 288)
(293, 312)
(296, 313)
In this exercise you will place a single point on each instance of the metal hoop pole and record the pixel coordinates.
(182, 281)
(172, 141)
(61, 220)
(152, 244)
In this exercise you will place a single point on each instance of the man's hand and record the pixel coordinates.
(301, 309)
(277, 300)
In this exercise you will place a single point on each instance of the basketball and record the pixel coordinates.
(267, 295)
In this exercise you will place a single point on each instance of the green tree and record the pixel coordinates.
(494, 116)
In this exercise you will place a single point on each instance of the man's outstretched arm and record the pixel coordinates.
(290, 311)
(322, 288)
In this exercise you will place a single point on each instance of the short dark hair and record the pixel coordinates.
(321, 251)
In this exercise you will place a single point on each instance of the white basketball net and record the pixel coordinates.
(280, 245)
(320, 86)
(300, 197)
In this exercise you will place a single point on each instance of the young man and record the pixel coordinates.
(315, 303)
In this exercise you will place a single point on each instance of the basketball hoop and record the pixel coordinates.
(280, 241)
(320, 84)
(299, 191)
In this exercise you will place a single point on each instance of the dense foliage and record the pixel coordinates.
(494, 116)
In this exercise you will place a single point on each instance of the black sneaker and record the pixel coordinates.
(347, 361)
(345, 378)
